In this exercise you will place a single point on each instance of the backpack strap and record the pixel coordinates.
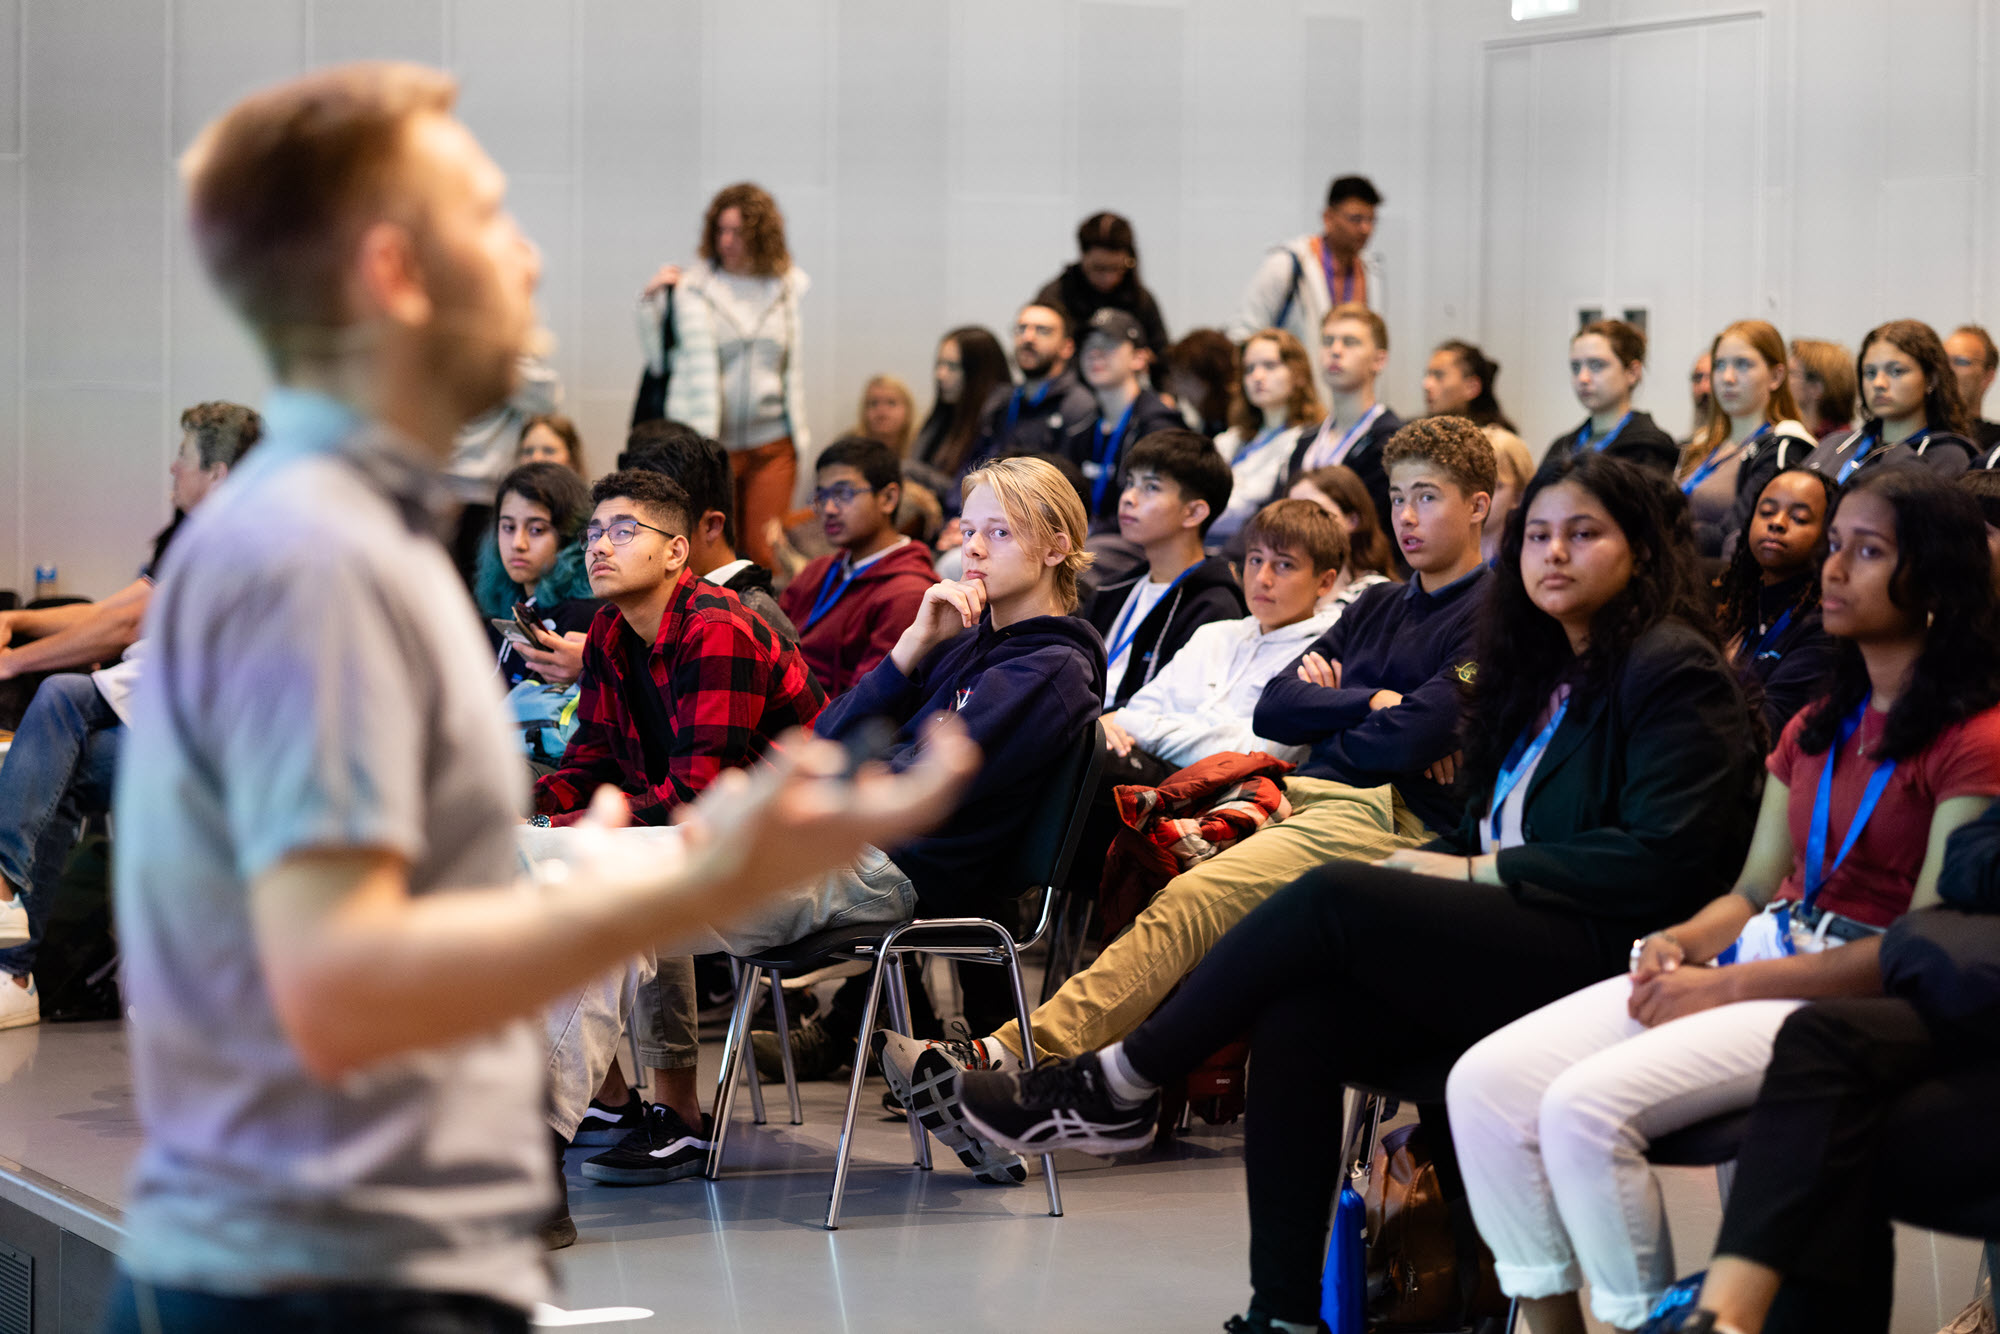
(1292, 292)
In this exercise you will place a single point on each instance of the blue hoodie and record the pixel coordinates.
(1025, 694)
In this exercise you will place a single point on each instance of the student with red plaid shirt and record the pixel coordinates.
(680, 679)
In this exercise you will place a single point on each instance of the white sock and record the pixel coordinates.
(999, 1053)
(1128, 1087)
(1295, 1327)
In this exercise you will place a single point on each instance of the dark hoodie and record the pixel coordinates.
(1943, 452)
(752, 587)
(865, 622)
(1640, 440)
(1077, 298)
(1209, 592)
(1149, 413)
(1025, 694)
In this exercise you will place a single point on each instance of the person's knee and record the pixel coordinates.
(1486, 1090)
(1579, 1127)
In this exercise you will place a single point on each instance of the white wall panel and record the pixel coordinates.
(1129, 134)
(379, 30)
(1733, 233)
(1011, 104)
(97, 483)
(223, 49)
(10, 76)
(15, 563)
(767, 85)
(516, 65)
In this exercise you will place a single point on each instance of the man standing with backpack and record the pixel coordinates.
(1299, 282)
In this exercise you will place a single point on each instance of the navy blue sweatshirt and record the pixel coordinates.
(1025, 694)
(1394, 637)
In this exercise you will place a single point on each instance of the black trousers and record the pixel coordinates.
(1355, 974)
(1865, 1115)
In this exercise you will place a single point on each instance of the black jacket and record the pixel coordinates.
(1041, 422)
(1789, 672)
(1074, 295)
(1210, 592)
(1943, 452)
(1365, 458)
(1150, 413)
(1641, 441)
(752, 586)
(1643, 804)
(1970, 876)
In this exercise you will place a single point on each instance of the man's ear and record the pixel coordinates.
(890, 498)
(1482, 505)
(677, 551)
(387, 278)
(1327, 579)
(712, 524)
(1194, 513)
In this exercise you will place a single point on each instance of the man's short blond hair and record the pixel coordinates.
(1045, 510)
(283, 184)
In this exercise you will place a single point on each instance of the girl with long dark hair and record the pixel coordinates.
(1910, 404)
(1552, 1114)
(1768, 599)
(533, 559)
(1610, 768)
(970, 365)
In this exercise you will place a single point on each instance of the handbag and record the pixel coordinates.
(651, 403)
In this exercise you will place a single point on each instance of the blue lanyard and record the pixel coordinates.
(1521, 759)
(1583, 433)
(1106, 455)
(1716, 458)
(1326, 266)
(1014, 403)
(1255, 443)
(1122, 635)
(1816, 870)
(1346, 443)
(1765, 640)
(829, 592)
(1868, 451)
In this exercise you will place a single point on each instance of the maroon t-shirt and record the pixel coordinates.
(1874, 884)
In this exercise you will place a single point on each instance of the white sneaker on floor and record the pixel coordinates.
(13, 922)
(19, 1005)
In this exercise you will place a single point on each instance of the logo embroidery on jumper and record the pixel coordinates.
(1466, 672)
(958, 700)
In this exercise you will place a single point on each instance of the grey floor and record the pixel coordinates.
(1147, 1245)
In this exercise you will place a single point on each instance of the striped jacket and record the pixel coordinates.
(694, 385)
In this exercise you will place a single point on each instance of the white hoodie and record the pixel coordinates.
(1202, 701)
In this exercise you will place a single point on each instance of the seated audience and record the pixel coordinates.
(1376, 699)
(84, 634)
(1001, 649)
(1552, 1114)
(1513, 466)
(1302, 280)
(1910, 407)
(1270, 403)
(680, 680)
(852, 604)
(486, 449)
(1354, 349)
(1175, 485)
(1458, 382)
(1974, 360)
(552, 438)
(1105, 276)
(1200, 375)
(1610, 772)
(970, 366)
(1114, 364)
(700, 466)
(1037, 415)
(1768, 598)
(1753, 433)
(888, 413)
(59, 770)
(1607, 360)
(1338, 491)
(1821, 375)
(1202, 702)
(535, 562)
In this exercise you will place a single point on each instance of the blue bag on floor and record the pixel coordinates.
(1344, 1286)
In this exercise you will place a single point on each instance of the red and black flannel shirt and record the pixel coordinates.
(728, 684)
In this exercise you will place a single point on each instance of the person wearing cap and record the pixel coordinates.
(1106, 275)
(1114, 360)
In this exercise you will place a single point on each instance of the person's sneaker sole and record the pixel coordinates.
(610, 1175)
(933, 1091)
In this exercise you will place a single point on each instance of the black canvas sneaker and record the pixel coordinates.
(664, 1148)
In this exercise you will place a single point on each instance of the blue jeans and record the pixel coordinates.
(145, 1309)
(57, 773)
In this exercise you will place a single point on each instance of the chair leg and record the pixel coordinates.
(1055, 972)
(1513, 1314)
(733, 1043)
(854, 1095)
(899, 1019)
(777, 986)
(1013, 959)
(752, 979)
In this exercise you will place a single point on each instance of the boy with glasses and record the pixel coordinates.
(851, 604)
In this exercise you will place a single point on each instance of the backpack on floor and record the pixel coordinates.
(76, 964)
(1423, 1271)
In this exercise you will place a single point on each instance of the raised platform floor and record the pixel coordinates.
(1156, 1244)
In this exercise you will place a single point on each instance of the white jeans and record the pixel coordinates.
(1552, 1116)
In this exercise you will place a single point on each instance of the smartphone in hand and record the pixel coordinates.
(527, 629)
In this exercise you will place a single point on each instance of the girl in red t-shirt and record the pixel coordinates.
(1553, 1113)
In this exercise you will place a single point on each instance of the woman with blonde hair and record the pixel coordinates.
(1753, 433)
(1274, 400)
(888, 413)
(732, 360)
(1822, 380)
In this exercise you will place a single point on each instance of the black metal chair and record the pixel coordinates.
(1040, 864)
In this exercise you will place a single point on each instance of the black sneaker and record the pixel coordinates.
(557, 1230)
(1256, 1322)
(924, 1074)
(816, 1053)
(662, 1149)
(1057, 1105)
(604, 1125)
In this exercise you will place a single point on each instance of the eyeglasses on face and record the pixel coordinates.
(841, 494)
(620, 531)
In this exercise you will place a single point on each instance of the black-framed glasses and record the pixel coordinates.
(620, 531)
(841, 494)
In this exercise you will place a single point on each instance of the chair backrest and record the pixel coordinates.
(1048, 844)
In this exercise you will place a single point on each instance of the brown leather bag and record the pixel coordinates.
(1414, 1252)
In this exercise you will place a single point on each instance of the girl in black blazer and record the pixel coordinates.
(1611, 767)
